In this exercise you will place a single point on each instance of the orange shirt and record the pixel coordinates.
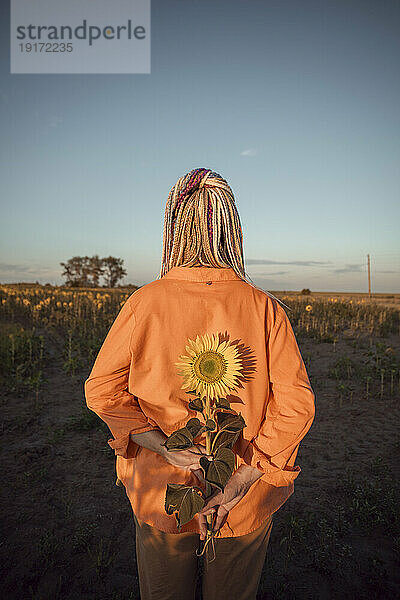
(134, 386)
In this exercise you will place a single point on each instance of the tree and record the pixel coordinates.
(113, 270)
(96, 269)
(75, 271)
(85, 271)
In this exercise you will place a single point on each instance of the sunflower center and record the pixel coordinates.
(210, 366)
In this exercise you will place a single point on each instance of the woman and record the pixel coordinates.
(202, 328)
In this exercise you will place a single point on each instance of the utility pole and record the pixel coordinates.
(369, 278)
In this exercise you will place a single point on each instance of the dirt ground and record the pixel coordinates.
(68, 530)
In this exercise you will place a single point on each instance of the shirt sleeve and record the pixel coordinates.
(290, 410)
(106, 389)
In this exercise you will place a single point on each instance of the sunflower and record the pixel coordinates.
(211, 368)
(308, 307)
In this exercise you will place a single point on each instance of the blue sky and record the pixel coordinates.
(295, 103)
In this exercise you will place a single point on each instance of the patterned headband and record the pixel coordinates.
(198, 180)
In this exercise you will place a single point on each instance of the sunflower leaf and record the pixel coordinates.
(222, 403)
(224, 439)
(181, 439)
(194, 426)
(196, 404)
(210, 425)
(184, 501)
(204, 461)
(219, 470)
(229, 410)
(201, 431)
(230, 422)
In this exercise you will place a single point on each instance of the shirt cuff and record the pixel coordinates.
(280, 475)
(124, 445)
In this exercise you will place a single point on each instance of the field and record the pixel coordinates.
(68, 530)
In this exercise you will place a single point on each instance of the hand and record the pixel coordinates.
(220, 503)
(188, 459)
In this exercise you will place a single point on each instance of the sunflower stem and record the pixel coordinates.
(208, 485)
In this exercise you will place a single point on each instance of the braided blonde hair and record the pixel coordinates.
(202, 226)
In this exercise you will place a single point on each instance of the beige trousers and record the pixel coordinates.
(167, 564)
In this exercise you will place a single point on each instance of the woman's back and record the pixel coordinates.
(170, 322)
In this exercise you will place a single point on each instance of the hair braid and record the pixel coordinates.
(202, 226)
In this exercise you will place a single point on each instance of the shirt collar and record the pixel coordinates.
(202, 273)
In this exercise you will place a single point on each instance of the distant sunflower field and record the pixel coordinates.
(77, 320)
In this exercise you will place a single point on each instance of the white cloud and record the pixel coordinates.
(301, 263)
(249, 152)
(32, 272)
